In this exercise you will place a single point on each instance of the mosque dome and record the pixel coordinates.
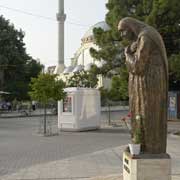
(78, 68)
(88, 36)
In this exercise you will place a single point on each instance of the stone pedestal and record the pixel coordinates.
(146, 167)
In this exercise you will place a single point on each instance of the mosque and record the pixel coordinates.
(82, 60)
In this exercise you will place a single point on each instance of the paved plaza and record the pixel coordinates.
(27, 155)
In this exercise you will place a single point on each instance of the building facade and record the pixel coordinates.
(82, 60)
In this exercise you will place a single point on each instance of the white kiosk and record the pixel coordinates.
(80, 110)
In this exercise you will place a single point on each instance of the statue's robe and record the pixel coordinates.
(148, 89)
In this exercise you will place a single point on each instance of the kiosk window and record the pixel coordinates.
(67, 104)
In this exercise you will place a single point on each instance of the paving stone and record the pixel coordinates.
(96, 154)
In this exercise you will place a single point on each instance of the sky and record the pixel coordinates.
(41, 28)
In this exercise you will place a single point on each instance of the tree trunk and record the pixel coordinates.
(1, 79)
(44, 119)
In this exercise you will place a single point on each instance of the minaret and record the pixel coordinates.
(60, 18)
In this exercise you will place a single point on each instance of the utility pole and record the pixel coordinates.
(61, 17)
(1, 77)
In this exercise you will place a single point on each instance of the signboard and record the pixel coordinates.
(172, 103)
(67, 104)
(127, 164)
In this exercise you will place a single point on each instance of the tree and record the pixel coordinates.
(119, 87)
(44, 88)
(104, 96)
(174, 72)
(118, 90)
(162, 14)
(83, 79)
(16, 66)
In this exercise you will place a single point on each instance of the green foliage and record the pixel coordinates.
(118, 90)
(162, 14)
(16, 66)
(119, 86)
(104, 96)
(47, 87)
(165, 17)
(83, 79)
(174, 65)
(174, 72)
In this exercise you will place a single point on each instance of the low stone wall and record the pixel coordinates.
(115, 108)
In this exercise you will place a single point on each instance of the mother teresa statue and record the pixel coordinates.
(147, 64)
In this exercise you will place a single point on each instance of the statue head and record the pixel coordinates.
(130, 28)
(126, 31)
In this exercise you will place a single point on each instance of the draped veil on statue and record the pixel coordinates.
(148, 84)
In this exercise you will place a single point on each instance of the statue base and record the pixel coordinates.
(146, 166)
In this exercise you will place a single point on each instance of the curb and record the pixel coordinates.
(22, 116)
(174, 135)
(108, 177)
